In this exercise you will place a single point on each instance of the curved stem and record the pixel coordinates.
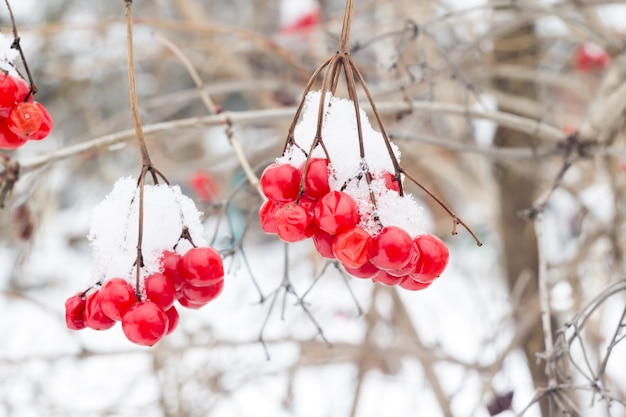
(16, 45)
(134, 106)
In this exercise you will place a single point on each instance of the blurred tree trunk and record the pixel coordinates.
(518, 187)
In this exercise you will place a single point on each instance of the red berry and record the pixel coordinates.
(433, 258)
(172, 319)
(24, 119)
(8, 93)
(336, 212)
(23, 90)
(202, 295)
(390, 182)
(316, 179)
(46, 123)
(293, 223)
(392, 248)
(352, 247)
(145, 323)
(409, 268)
(590, 57)
(367, 270)
(204, 186)
(160, 290)
(281, 182)
(8, 139)
(383, 277)
(75, 312)
(267, 216)
(115, 297)
(201, 267)
(94, 316)
(185, 302)
(410, 284)
(170, 268)
(308, 204)
(324, 243)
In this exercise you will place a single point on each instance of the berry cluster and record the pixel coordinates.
(21, 118)
(148, 313)
(302, 205)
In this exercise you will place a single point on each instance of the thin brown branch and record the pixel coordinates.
(134, 105)
(214, 110)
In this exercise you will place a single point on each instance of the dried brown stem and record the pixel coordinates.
(134, 106)
(455, 219)
(16, 45)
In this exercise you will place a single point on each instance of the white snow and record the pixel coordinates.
(341, 140)
(7, 55)
(114, 228)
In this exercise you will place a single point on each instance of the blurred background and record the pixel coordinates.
(510, 111)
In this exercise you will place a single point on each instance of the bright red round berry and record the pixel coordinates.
(24, 119)
(94, 316)
(185, 302)
(281, 182)
(316, 179)
(115, 297)
(324, 243)
(267, 216)
(204, 186)
(410, 284)
(202, 295)
(293, 223)
(409, 268)
(8, 93)
(365, 271)
(145, 323)
(336, 212)
(46, 123)
(160, 290)
(75, 312)
(433, 258)
(170, 261)
(352, 247)
(390, 182)
(8, 139)
(172, 319)
(383, 277)
(392, 248)
(201, 266)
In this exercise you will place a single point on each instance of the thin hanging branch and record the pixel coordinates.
(17, 46)
(134, 106)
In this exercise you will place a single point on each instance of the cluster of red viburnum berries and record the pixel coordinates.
(299, 208)
(148, 314)
(21, 118)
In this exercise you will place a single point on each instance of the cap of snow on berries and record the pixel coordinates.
(340, 137)
(114, 228)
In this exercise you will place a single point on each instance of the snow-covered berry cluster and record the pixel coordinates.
(352, 207)
(176, 264)
(21, 118)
